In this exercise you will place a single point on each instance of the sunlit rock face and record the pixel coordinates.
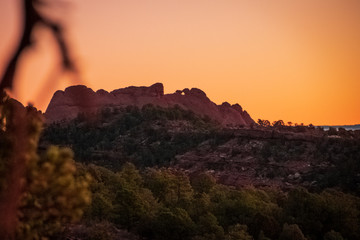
(66, 105)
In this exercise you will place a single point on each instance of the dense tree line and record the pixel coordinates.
(143, 136)
(167, 204)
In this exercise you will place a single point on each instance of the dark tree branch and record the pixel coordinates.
(32, 17)
(19, 121)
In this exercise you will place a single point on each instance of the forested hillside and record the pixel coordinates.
(150, 136)
(280, 156)
(167, 173)
(165, 203)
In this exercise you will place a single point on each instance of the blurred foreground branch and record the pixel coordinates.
(20, 127)
(32, 18)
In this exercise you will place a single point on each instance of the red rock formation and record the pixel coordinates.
(69, 103)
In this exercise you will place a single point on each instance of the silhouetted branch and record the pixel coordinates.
(19, 120)
(32, 17)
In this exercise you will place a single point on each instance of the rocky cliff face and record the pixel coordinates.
(66, 105)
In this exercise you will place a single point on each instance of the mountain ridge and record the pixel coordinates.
(66, 105)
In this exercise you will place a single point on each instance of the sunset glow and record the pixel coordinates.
(297, 61)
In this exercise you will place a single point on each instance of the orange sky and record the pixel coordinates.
(293, 60)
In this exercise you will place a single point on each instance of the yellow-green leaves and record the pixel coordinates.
(54, 195)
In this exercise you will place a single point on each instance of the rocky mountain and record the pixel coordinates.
(66, 105)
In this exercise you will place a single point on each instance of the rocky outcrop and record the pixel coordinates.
(66, 105)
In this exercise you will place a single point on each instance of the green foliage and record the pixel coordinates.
(344, 154)
(291, 232)
(265, 224)
(319, 213)
(162, 204)
(172, 188)
(306, 210)
(203, 182)
(233, 207)
(173, 224)
(144, 136)
(200, 205)
(133, 204)
(239, 232)
(54, 196)
(130, 176)
(208, 226)
(101, 207)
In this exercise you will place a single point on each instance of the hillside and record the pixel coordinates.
(153, 136)
(188, 169)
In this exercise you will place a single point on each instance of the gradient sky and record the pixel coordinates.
(297, 61)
